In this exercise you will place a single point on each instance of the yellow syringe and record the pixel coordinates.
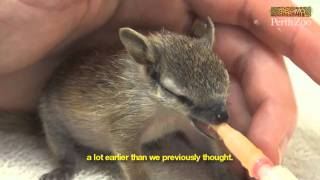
(251, 157)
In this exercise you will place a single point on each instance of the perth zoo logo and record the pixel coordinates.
(290, 16)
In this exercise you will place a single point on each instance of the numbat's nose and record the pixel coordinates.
(215, 113)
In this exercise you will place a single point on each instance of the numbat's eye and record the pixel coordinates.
(169, 83)
(181, 98)
(185, 100)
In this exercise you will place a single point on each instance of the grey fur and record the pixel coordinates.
(109, 102)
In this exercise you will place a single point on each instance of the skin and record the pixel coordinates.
(260, 105)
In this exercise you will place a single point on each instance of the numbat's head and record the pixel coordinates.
(184, 74)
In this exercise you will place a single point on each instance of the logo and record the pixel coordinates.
(291, 11)
(291, 16)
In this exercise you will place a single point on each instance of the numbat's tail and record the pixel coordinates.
(20, 122)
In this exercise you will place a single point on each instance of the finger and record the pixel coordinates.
(299, 43)
(30, 29)
(265, 84)
(238, 110)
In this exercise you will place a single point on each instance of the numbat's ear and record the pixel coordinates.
(204, 30)
(137, 45)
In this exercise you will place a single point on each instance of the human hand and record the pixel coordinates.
(260, 105)
(261, 95)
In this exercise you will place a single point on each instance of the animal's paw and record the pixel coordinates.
(58, 174)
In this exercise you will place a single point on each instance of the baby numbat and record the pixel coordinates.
(160, 84)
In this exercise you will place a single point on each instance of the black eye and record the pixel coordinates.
(155, 76)
(185, 100)
(182, 99)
